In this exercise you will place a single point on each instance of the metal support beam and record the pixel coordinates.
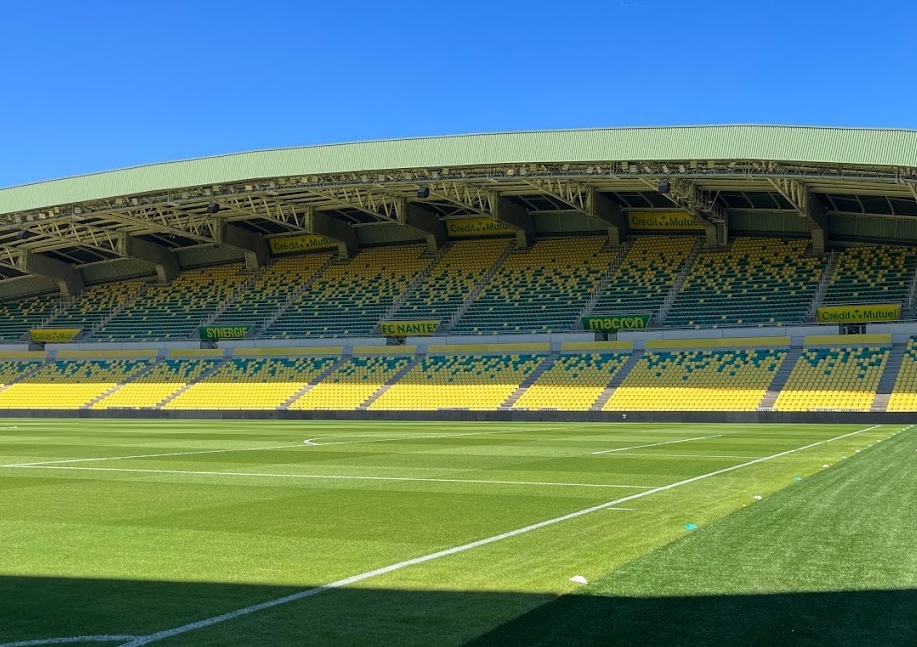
(67, 277)
(415, 216)
(161, 258)
(700, 205)
(515, 216)
(600, 206)
(253, 246)
(807, 206)
(316, 222)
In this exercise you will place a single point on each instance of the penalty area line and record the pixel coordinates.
(668, 442)
(353, 579)
(70, 640)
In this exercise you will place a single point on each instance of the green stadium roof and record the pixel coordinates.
(849, 147)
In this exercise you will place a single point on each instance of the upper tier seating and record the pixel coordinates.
(573, 382)
(284, 278)
(541, 290)
(872, 275)
(756, 281)
(352, 383)
(252, 383)
(95, 304)
(164, 379)
(834, 378)
(904, 393)
(174, 311)
(351, 298)
(480, 382)
(68, 384)
(645, 276)
(16, 317)
(717, 380)
(439, 295)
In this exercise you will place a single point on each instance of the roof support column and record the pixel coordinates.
(316, 222)
(603, 208)
(253, 246)
(68, 278)
(807, 206)
(161, 258)
(515, 216)
(415, 216)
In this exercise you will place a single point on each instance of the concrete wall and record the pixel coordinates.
(856, 418)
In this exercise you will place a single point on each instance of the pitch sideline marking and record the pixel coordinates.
(70, 640)
(254, 449)
(353, 579)
(668, 442)
(340, 477)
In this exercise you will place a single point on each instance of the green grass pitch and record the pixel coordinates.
(135, 532)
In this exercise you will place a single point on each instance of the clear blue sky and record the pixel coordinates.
(90, 86)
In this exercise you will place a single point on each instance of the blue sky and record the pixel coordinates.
(91, 86)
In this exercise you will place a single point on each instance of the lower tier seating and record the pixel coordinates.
(68, 384)
(572, 383)
(252, 383)
(481, 382)
(834, 378)
(720, 380)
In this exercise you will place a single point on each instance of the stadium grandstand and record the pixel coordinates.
(745, 269)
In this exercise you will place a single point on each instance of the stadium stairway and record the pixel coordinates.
(213, 369)
(135, 376)
(616, 381)
(419, 279)
(475, 292)
(313, 382)
(296, 292)
(780, 378)
(823, 283)
(675, 290)
(390, 382)
(240, 293)
(530, 380)
(889, 377)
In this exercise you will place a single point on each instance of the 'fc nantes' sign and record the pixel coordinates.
(671, 220)
(45, 335)
(859, 314)
(614, 323)
(468, 227)
(304, 243)
(216, 333)
(409, 328)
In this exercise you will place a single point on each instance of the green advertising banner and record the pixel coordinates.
(216, 333)
(409, 328)
(614, 323)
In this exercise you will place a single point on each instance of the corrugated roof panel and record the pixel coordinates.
(869, 147)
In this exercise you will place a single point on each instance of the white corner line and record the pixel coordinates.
(668, 442)
(353, 579)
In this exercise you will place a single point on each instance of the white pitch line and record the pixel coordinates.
(668, 442)
(70, 640)
(338, 477)
(353, 579)
(668, 455)
(307, 443)
(121, 458)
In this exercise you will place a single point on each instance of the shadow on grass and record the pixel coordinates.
(44, 608)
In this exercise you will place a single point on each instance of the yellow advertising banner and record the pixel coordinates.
(671, 220)
(409, 328)
(303, 243)
(45, 335)
(872, 312)
(469, 227)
